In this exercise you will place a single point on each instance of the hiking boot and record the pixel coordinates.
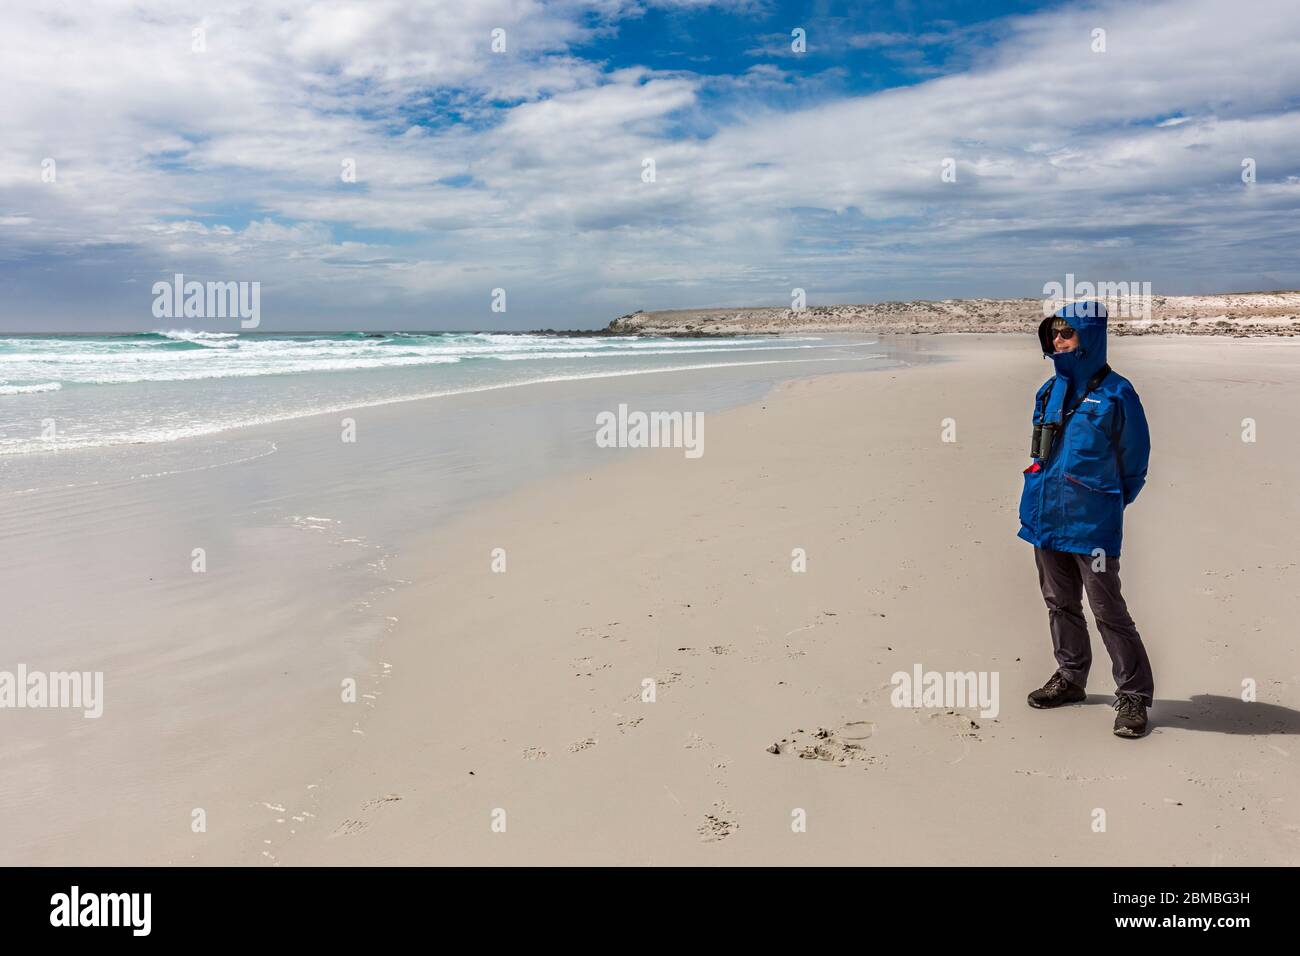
(1131, 716)
(1057, 692)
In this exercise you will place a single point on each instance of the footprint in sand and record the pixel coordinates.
(719, 824)
(349, 827)
(586, 667)
(580, 745)
(838, 747)
(535, 753)
(660, 682)
(959, 724)
(380, 801)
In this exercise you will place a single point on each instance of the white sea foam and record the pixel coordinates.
(174, 433)
(302, 375)
(43, 364)
(286, 366)
(206, 338)
(30, 389)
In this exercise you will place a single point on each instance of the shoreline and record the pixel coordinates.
(839, 347)
(218, 682)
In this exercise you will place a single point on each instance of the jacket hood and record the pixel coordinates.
(1088, 319)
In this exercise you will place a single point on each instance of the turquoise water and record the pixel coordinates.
(60, 392)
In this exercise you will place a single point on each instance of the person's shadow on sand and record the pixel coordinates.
(1219, 715)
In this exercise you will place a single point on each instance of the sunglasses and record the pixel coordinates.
(1063, 334)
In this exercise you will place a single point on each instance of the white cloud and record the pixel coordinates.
(477, 169)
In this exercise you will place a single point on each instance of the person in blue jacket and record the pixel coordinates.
(1090, 449)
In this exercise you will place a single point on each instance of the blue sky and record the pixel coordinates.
(524, 169)
(859, 47)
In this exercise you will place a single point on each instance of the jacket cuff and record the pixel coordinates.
(1131, 489)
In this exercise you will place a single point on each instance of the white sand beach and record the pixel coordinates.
(516, 697)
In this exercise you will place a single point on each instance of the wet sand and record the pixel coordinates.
(226, 587)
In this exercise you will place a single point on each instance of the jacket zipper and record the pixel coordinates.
(1042, 491)
(1042, 498)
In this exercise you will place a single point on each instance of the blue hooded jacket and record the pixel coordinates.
(1074, 500)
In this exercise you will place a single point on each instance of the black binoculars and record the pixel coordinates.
(1040, 446)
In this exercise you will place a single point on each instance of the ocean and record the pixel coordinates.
(59, 392)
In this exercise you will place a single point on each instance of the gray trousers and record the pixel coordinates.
(1063, 577)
